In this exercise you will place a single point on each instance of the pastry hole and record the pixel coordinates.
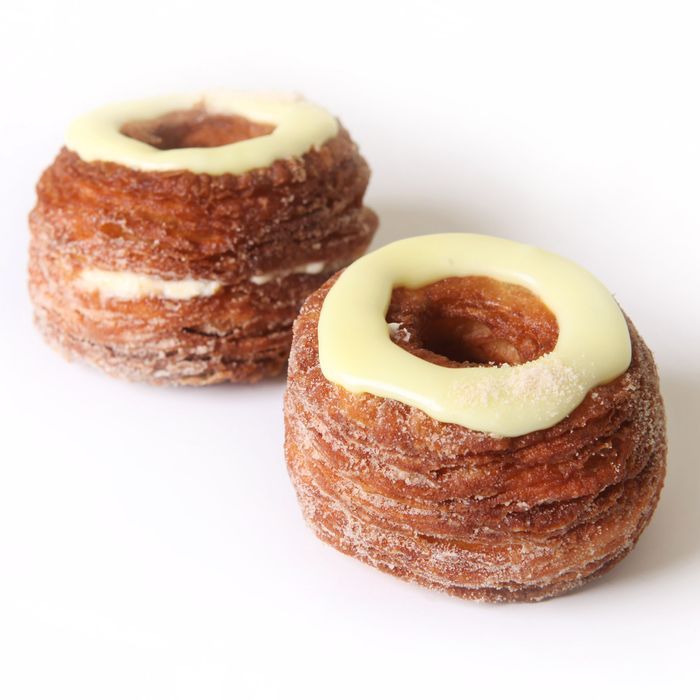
(194, 128)
(471, 321)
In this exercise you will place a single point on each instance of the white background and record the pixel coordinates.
(150, 542)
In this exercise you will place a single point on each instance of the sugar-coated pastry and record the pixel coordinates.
(174, 239)
(475, 415)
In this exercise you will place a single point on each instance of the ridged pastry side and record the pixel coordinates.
(478, 516)
(266, 224)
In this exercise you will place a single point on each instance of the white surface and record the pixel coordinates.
(150, 543)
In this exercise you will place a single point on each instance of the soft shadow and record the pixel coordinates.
(398, 220)
(279, 380)
(672, 538)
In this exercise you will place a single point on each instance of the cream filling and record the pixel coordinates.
(131, 285)
(312, 268)
(356, 352)
(299, 126)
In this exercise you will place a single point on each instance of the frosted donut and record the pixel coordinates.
(174, 239)
(431, 431)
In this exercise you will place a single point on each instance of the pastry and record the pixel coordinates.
(474, 415)
(174, 239)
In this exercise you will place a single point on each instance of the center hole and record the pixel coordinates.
(471, 321)
(194, 128)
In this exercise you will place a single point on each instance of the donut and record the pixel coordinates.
(175, 239)
(474, 415)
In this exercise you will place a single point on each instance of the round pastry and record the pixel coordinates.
(174, 239)
(475, 415)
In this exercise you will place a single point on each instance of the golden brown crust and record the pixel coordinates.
(479, 516)
(180, 225)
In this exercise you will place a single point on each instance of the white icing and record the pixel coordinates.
(313, 268)
(356, 352)
(130, 285)
(299, 126)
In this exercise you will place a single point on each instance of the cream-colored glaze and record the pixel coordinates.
(130, 285)
(356, 352)
(313, 268)
(299, 126)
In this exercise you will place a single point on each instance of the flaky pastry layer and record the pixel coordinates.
(232, 230)
(478, 516)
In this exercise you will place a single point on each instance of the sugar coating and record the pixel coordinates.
(476, 515)
(548, 379)
(180, 250)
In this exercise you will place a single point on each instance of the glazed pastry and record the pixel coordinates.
(174, 239)
(474, 415)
